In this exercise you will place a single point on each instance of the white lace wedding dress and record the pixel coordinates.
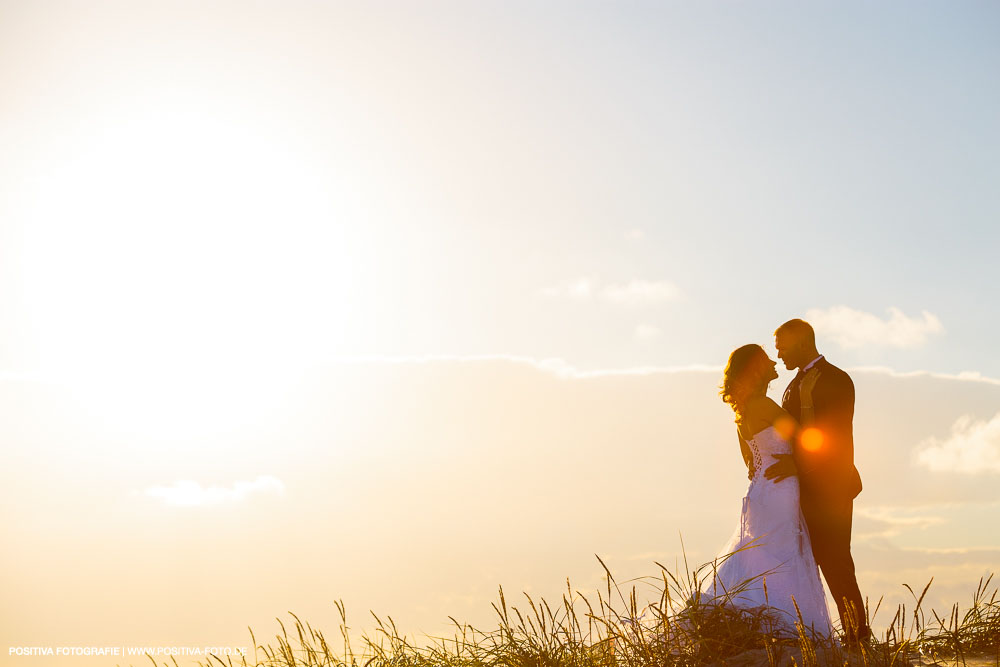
(772, 545)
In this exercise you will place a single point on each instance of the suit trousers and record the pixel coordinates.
(829, 524)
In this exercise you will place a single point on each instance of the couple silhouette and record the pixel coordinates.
(797, 513)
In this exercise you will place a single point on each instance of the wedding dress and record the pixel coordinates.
(771, 547)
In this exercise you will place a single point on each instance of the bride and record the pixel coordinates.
(768, 562)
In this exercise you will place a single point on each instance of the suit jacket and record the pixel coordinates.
(827, 471)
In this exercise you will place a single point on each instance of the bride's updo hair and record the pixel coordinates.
(744, 374)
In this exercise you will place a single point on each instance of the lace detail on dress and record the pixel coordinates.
(755, 452)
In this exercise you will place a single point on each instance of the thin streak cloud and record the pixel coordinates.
(632, 293)
(188, 493)
(563, 368)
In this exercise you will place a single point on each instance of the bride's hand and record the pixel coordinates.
(783, 469)
(807, 386)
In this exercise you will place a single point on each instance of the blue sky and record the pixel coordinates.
(775, 158)
(441, 165)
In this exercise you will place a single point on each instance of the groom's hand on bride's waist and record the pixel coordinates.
(783, 469)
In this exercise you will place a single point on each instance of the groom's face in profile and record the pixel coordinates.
(789, 350)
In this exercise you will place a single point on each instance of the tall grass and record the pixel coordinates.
(682, 627)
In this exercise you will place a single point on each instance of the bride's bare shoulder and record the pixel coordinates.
(766, 409)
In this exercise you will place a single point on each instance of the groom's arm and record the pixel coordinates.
(825, 460)
(837, 407)
(834, 416)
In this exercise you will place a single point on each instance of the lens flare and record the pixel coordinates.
(785, 426)
(811, 439)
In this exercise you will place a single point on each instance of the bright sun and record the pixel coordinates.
(176, 245)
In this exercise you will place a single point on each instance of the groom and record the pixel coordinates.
(821, 398)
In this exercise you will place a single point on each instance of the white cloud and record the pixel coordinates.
(641, 292)
(633, 293)
(188, 493)
(634, 234)
(581, 289)
(972, 447)
(647, 332)
(851, 328)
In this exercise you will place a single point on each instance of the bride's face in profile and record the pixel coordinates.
(771, 374)
(768, 369)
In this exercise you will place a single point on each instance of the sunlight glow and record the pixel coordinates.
(175, 246)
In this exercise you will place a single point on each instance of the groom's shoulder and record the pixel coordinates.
(835, 373)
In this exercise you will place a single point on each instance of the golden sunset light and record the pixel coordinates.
(667, 326)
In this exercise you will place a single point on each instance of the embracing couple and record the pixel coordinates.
(797, 511)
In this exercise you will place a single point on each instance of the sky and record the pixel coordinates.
(222, 223)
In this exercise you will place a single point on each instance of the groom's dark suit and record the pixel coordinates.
(828, 480)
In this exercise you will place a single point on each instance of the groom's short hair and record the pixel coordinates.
(798, 330)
